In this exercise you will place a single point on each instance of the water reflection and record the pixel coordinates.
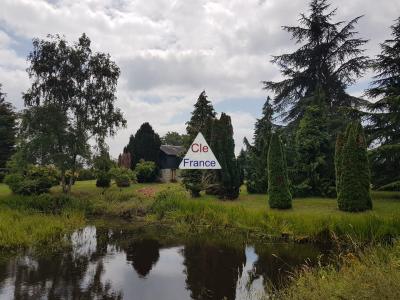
(138, 263)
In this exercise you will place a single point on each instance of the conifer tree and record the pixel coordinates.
(226, 183)
(278, 184)
(200, 121)
(257, 178)
(144, 145)
(7, 130)
(329, 56)
(354, 194)
(384, 119)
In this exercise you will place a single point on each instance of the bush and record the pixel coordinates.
(85, 174)
(35, 180)
(146, 171)
(278, 183)
(3, 174)
(103, 179)
(354, 182)
(123, 177)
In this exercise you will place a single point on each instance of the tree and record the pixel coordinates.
(71, 102)
(330, 57)
(7, 130)
(145, 145)
(257, 178)
(226, 182)
(174, 138)
(354, 194)
(278, 183)
(384, 119)
(314, 157)
(202, 114)
(200, 121)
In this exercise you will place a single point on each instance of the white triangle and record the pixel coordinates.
(199, 156)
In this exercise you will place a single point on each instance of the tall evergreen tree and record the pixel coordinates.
(330, 57)
(200, 121)
(7, 130)
(257, 179)
(354, 194)
(227, 180)
(384, 119)
(278, 183)
(144, 145)
(314, 163)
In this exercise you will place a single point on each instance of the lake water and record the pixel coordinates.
(142, 263)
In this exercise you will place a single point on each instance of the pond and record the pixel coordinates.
(109, 261)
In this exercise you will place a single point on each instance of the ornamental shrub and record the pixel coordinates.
(103, 179)
(354, 181)
(123, 176)
(146, 171)
(278, 183)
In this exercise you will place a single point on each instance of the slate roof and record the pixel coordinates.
(172, 150)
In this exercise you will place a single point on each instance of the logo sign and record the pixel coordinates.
(199, 156)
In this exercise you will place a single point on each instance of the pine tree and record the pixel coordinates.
(144, 145)
(384, 119)
(257, 179)
(226, 182)
(354, 194)
(202, 119)
(330, 56)
(278, 184)
(7, 130)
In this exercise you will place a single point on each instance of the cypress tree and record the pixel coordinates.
(338, 160)
(257, 178)
(227, 180)
(354, 184)
(144, 145)
(200, 121)
(278, 183)
(7, 130)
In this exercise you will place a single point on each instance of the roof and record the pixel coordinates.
(172, 150)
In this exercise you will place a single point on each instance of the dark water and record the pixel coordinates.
(116, 262)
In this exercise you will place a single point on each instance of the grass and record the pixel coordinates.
(373, 274)
(19, 229)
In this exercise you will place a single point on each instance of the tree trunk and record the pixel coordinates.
(63, 183)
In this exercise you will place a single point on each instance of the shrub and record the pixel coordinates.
(192, 180)
(35, 180)
(3, 174)
(103, 179)
(146, 171)
(354, 188)
(278, 183)
(123, 176)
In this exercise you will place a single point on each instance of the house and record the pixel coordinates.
(170, 158)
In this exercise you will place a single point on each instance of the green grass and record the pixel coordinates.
(19, 229)
(374, 274)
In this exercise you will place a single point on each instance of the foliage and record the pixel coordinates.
(102, 165)
(278, 183)
(314, 157)
(174, 138)
(200, 121)
(86, 174)
(393, 186)
(354, 183)
(71, 100)
(226, 182)
(329, 57)
(256, 155)
(7, 130)
(146, 171)
(144, 145)
(372, 274)
(103, 179)
(34, 180)
(192, 180)
(383, 126)
(123, 176)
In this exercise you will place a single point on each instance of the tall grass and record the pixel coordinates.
(374, 274)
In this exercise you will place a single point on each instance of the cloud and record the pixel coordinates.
(170, 50)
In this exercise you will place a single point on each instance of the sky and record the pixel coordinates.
(171, 50)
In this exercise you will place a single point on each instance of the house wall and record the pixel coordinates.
(166, 175)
